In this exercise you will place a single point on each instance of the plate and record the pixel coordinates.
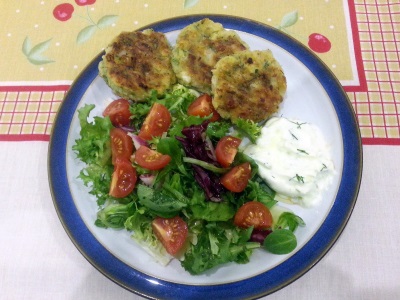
(314, 95)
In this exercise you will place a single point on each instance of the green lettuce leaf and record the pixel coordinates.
(93, 148)
(142, 232)
(114, 215)
(218, 243)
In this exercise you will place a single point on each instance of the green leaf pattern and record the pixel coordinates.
(107, 21)
(35, 54)
(86, 33)
(289, 19)
(190, 3)
(26, 46)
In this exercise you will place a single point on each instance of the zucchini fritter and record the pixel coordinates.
(136, 63)
(198, 48)
(248, 85)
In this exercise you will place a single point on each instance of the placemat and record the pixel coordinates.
(48, 43)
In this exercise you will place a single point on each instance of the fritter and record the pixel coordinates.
(135, 63)
(198, 48)
(249, 85)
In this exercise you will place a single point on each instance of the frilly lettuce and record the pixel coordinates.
(142, 233)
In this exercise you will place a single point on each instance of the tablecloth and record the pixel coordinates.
(45, 46)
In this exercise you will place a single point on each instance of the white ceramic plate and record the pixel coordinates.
(314, 95)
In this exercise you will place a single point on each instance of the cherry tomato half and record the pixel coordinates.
(151, 159)
(237, 178)
(172, 233)
(255, 214)
(226, 150)
(156, 123)
(202, 107)
(121, 144)
(119, 113)
(123, 179)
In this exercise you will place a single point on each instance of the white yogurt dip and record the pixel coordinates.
(294, 159)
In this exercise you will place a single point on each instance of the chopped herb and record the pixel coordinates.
(298, 178)
(293, 135)
(302, 151)
(298, 124)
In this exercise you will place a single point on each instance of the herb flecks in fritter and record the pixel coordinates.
(198, 48)
(248, 85)
(135, 63)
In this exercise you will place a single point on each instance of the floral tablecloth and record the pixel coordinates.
(47, 43)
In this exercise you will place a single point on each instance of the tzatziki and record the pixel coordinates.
(294, 159)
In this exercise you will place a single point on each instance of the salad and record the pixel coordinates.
(171, 172)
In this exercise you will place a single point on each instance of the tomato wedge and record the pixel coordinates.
(202, 107)
(255, 214)
(237, 178)
(118, 112)
(121, 144)
(123, 179)
(156, 123)
(172, 233)
(151, 159)
(226, 150)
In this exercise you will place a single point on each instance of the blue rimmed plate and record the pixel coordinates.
(314, 95)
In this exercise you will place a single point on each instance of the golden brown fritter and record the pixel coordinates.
(136, 63)
(248, 85)
(198, 48)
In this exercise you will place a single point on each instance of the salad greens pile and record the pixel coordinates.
(213, 239)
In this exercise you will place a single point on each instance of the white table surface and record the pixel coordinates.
(39, 261)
